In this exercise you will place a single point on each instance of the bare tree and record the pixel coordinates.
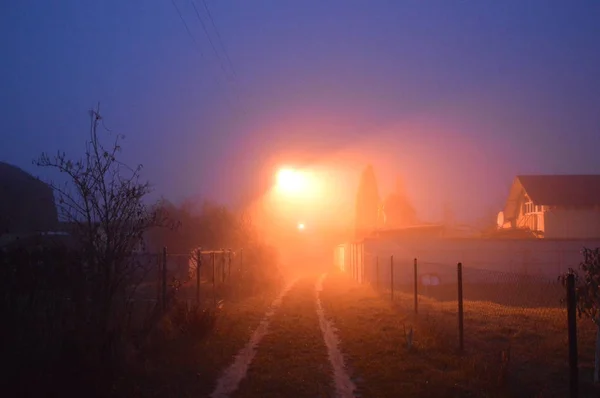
(102, 201)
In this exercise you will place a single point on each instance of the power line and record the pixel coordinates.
(199, 49)
(187, 28)
(212, 44)
(220, 40)
(232, 76)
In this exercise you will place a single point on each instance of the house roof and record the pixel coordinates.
(26, 203)
(554, 190)
(562, 190)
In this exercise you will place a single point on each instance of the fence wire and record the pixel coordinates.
(513, 323)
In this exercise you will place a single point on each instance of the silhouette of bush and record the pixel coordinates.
(193, 320)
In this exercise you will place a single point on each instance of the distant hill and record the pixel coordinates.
(26, 203)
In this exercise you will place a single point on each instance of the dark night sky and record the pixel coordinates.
(455, 96)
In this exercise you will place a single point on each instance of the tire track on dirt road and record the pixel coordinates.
(344, 387)
(292, 360)
(236, 372)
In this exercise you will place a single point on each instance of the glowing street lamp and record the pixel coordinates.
(290, 181)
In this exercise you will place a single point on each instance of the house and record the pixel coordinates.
(554, 206)
(26, 203)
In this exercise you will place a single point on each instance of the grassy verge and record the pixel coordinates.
(372, 334)
(292, 359)
(535, 340)
(187, 365)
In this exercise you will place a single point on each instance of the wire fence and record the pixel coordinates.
(202, 277)
(515, 324)
(61, 312)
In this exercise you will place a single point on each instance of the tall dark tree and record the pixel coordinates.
(399, 212)
(367, 203)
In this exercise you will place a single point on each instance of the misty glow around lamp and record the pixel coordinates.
(291, 181)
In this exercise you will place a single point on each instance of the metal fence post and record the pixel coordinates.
(356, 262)
(198, 265)
(461, 331)
(349, 268)
(377, 272)
(392, 276)
(357, 258)
(572, 326)
(351, 260)
(416, 284)
(362, 262)
(229, 263)
(164, 279)
(241, 260)
(212, 256)
(222, 265)
(158, 277)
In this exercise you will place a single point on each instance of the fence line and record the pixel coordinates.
(494, 312)
(196, 277)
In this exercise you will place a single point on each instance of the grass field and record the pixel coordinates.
(187, 365)
(372, 331)
(373, 338)
(509, 351)
(535, 337)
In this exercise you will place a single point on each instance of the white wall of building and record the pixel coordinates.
(571, 223)
(537, 257)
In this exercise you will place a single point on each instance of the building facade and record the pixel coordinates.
(554, 206)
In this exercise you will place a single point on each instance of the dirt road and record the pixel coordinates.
(295, 354)
(327, 336)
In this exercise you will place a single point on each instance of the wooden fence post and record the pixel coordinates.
(164, 279)
(416, 286)
(572, 326)
(461, 331)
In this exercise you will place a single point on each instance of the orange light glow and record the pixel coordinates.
(291, 181)
(301, 227)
